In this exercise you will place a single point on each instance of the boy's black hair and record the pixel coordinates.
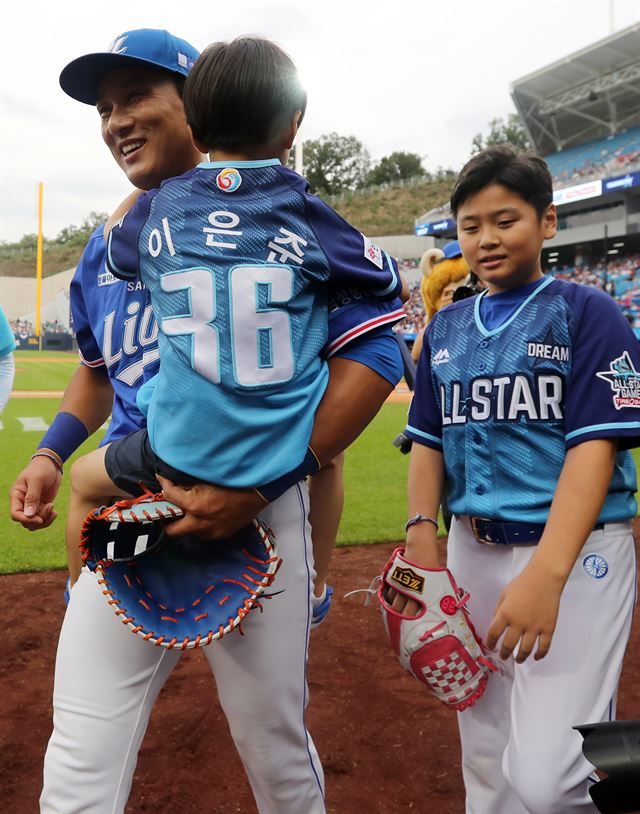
(526, 174)
(242, 93)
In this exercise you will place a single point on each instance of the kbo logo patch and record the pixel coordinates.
(228, 179)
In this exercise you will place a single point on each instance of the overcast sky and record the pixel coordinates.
(417, 75)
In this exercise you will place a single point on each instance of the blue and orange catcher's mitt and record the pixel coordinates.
(180, 592)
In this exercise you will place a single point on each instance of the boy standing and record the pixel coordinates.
(528, 396)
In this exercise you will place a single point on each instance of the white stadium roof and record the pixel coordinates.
(584, 96)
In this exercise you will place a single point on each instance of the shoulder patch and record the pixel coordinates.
(624, 380)
(372, 252)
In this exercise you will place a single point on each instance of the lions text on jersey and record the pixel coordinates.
(116, 333)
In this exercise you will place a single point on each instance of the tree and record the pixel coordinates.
(334, 164)
(500, 132)
(398, 166)
(79, 235)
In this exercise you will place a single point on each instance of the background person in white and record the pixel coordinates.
(7, 362)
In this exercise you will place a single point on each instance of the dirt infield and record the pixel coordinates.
(37, 394)
(385, 746)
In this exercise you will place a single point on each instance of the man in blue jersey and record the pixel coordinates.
(105, 685)
(528, 396)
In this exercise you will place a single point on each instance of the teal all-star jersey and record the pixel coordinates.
(505, 404)
(241, 263)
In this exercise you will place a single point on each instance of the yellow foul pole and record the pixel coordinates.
(39, 266)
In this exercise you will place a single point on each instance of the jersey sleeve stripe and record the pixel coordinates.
(420, 434)
(394, 282)
(616, 425)
(92, 363)
(364, 327)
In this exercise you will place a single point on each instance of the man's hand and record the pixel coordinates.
(32, 495)
(526, 613)
(211, 512)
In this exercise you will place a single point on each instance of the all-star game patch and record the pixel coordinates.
(624, 380)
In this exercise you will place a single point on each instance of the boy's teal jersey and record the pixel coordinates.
(504, 405)
(241, 264)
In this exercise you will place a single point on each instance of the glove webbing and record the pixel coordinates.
(248, 605)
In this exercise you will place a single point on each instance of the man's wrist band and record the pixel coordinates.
(420, 518)
(272, 490)
(64, 436)
(51, 455)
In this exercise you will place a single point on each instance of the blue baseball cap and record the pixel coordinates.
(452, 250)
(147, 47)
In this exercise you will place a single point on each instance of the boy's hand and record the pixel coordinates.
(526, 613)
(439, 646)
(420, 549)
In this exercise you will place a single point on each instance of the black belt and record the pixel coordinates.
(498, 532)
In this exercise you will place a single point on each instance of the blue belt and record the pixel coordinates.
(497, 532)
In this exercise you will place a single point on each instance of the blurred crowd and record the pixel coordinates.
(613, 156)
(619, 277)
(22, 328)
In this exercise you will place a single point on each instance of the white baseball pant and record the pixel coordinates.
(520, 754)
(107, 680)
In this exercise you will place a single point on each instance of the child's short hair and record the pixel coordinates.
(241, 93)
(526, 174)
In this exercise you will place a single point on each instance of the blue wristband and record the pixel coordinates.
(272, 490)
(65, 435)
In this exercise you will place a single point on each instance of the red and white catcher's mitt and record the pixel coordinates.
(439, 647)
(179, 592)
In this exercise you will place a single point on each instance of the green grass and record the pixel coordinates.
(375, 482)
(43, 370)
(21, 550)
(375, 479)
(375, 473)
(391, 211)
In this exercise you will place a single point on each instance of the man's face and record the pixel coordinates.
(501, 237)
(144, 126)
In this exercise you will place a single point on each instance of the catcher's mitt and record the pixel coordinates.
(176, 592)
(439, 647)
